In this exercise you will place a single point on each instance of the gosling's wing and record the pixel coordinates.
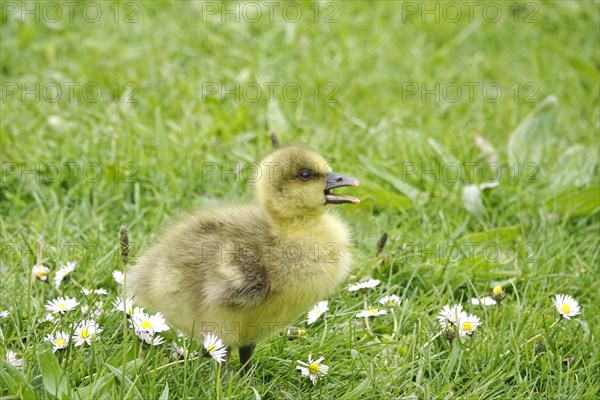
(242, 282)
(230, 246)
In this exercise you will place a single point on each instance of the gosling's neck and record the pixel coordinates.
(294, 221)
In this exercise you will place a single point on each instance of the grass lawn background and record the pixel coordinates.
(138, 156)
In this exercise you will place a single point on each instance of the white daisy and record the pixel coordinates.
(485, 301)
(370, 312)
(87, 292)
(215, 347)
(40, 272)
(119, 277)
(98, 311)
(317, 311)
(85, 332)
(467, 323)
(50, 318)
(313, 369)
(149, 338)
(126, 306)
(368, 284)
(61, 305)
(182, 352)
(450, 315)
(148, 323)
(12, 359)
(4, 314)
(566, 305)
(63, 272)
(60, 340)
(390, 301)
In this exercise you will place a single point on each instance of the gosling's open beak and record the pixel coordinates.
(336, 180)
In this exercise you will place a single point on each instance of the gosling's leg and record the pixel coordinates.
(245, 355)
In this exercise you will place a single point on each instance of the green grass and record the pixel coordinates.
(148, 158)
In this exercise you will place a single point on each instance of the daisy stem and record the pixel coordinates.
(539, 335)
(437, 335)
(324, 330)
(555, 326)
(174, 363)
(395, 324)
(219, 381)
(367, 325)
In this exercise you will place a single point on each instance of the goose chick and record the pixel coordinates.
(245, 272)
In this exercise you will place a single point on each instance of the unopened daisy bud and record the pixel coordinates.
(450, 333)
(498, 293)
(294, 331)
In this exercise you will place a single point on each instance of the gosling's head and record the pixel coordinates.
(297, 183)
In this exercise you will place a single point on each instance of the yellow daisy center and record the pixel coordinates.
(40, 273)
(146, 324)
(467, 326)
(211, 347)
(497, 290)
(84, 334)
(565, 308)
(61, 307)
(371, 311)
(59, 342)
(130, 310)
(313, 368)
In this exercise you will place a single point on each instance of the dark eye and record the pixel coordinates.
(305, 175)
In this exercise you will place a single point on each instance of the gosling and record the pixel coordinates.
(245, 272)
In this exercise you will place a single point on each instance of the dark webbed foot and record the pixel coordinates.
(245, 358)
